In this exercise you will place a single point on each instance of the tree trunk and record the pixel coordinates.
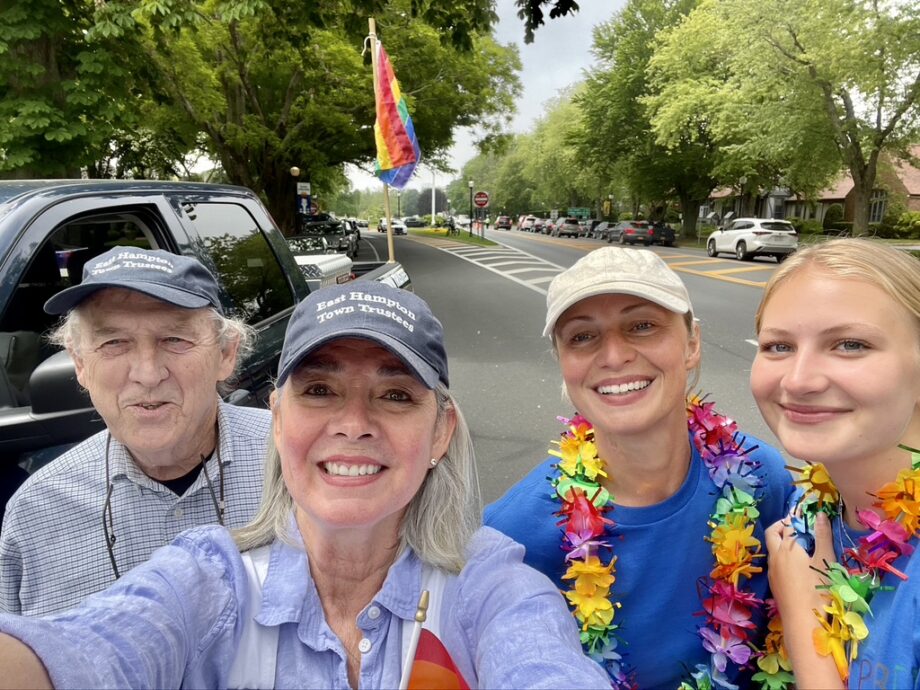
(690, 211)
(863, 183)
(281, 200)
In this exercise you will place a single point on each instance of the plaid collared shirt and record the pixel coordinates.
(53, 546)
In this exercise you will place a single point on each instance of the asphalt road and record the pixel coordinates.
(492, 305)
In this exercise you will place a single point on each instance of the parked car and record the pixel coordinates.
(527, 224)
(399, 228)
(503, 223)
(568, 227)
(550, 226)
(631, 232)
(340, 235)
(413, 222)
(750, 237)
(601, 230)
(663, 234)
(538, 225)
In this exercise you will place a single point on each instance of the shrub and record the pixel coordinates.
(833, 216)
(908, 225)
(806, 227)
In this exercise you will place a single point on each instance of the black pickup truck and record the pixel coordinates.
(49, 229)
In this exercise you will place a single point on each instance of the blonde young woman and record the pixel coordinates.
(837, 378)
(650, 515)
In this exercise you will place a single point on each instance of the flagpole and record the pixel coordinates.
(420, 615)
(372, 30)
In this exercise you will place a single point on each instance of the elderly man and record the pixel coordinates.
(150, 343)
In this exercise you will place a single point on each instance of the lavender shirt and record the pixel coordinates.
(176, 621)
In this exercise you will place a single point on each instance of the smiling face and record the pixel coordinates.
(625, 363)
(837, 374)
(152, 370)
(356, 432)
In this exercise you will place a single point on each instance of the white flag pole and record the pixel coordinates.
(420, 615)
(372, 30)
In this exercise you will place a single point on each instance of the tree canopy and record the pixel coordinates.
(261, 85)
(813, 86)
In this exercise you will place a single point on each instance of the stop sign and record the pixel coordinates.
(481, 199)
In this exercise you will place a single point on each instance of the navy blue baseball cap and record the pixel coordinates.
(394, 318)
(179, 280)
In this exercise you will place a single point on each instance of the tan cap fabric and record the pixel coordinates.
(616, 270)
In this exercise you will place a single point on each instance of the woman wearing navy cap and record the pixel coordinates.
(370, 499)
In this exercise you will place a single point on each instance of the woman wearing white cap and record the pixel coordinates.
(370, 499)
(651, 514)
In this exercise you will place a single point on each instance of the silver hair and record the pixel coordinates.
(68, 333)
(439, 521)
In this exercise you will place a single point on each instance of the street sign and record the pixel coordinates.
(481, 199)
(579, 212)
(303, 189)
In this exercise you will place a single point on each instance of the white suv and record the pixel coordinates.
(750, 237)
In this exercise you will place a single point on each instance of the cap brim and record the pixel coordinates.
(67, 299)
(620, 287)
(427, 374)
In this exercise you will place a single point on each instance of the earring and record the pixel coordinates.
(434, 462)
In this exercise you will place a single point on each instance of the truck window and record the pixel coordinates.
(248, 268)
(56, 264)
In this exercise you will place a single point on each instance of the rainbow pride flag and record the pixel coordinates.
(397, 148)
(434, 667)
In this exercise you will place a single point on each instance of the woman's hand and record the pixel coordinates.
(792, 572)
(794, 579)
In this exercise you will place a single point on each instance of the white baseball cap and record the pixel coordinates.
(616, 271)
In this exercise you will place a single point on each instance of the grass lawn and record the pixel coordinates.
(464, 236)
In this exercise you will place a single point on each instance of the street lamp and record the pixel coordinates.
(295, 173)
(610, 206)
(471, 208)
(398, 194)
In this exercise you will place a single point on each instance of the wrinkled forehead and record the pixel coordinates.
(341, 354)
(111, 306)
(609, 304)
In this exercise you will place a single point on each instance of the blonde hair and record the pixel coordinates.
(894, 271)
(440, 519)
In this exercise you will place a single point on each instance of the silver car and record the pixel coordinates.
(750, 237)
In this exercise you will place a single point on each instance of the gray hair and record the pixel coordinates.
(68, 333)
(439, 521)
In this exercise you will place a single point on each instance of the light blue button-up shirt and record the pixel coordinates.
(176, 621)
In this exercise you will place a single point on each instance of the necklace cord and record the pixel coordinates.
(108, 519)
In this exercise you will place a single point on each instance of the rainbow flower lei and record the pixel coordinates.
(727, 606)
(851, 585)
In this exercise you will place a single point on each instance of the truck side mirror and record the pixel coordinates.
(53, 386)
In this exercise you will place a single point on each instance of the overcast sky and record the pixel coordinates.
(561, 50)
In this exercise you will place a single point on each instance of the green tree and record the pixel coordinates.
(63, 97)
(617, 139)
(813, 85)
(531, 13)
(270, 84)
